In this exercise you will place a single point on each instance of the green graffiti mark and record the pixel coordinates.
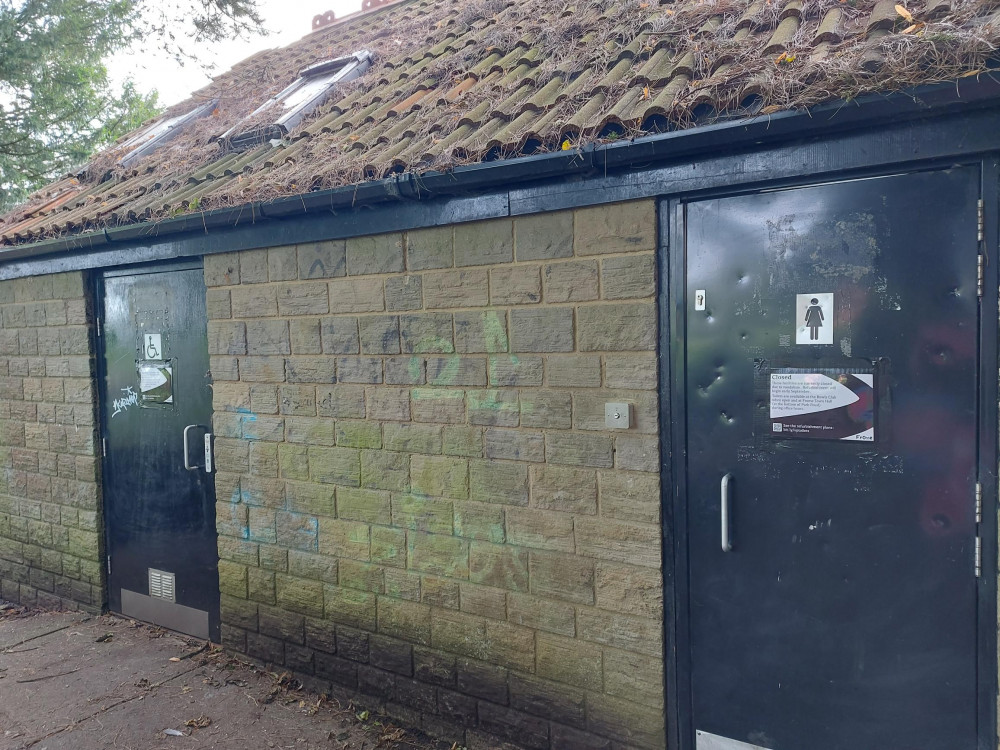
(494, 332)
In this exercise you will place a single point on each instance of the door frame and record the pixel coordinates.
(97, 279)
(672, 309)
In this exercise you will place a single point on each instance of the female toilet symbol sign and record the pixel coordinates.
(814, 318)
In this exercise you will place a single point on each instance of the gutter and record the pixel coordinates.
(965, 94)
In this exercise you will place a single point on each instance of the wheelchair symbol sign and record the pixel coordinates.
(152, 346)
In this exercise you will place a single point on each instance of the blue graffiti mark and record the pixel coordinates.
(248, 433)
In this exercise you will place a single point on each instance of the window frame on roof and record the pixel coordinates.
(151, 138)
(311, 88)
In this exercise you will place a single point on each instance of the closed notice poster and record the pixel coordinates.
(822, 404)
(156, 383)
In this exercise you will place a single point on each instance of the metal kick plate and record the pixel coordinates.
(707, 741)
(166, 614)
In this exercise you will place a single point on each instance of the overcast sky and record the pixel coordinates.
(287, 19)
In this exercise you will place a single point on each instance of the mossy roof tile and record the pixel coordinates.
(458, 81)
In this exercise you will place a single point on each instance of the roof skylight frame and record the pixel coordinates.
(150, 139)
(311, 89)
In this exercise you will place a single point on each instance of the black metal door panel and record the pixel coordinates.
(157, 405)
(843, 616)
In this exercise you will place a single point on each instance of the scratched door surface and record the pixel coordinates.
(831, 391)
(160, 515)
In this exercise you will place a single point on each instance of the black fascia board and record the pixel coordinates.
(967, 94)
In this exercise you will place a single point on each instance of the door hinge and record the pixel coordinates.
(109, 565)
(100, 328)
(979, 557)
(979, 502)
(104, 446)
(979, 275)
(980, 220)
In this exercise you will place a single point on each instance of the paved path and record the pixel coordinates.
(73, 682)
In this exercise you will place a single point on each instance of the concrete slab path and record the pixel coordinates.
(69, 681)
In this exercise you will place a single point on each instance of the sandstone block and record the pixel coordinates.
(572, 281)
(578, 449)
(539, 529)
(542, 330)
(498, 482)
(402, 619)
(419, 513)
(438, 554)
(427, 333)
(515, 445)
(339, 335)
(467, 287)
(254, 301)
(404, 293)
(322, 260)
(356, 295)
(300, 595)
(379, 334)
(380, 253)
(619, 542)
(222, 269)
(266, 337)
(515, 371)
(342, 538)
(385, 470)
(442, 476)
(484, 243)
(544, 236)
(569, 661)
(541, 614)
(515, 285)
(484, 521)
(303, 298)
(500, 566)
(430, 248)
(617, 327)
(564, 489)
(615, 228)
(481, 331)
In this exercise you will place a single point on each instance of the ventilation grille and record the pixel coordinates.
(161, 585)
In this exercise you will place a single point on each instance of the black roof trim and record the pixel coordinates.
(969, 94)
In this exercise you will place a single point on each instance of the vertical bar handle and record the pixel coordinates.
(187, 449)
(727, 544)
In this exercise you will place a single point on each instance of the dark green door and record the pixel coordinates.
(831, 346)
(159, 491)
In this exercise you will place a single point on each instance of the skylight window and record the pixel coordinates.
(147, 141)
(311, 89)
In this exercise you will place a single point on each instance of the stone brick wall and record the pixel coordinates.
(418, 498)
(50, 516)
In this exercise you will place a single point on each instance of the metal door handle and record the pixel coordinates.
(208, 449)
(187, 448)
(727, 544)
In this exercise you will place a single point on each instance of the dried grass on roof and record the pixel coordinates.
(708, 60)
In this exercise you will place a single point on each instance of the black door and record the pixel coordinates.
(159, 491)
(831, 420)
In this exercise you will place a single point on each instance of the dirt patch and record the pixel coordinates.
(69, 680)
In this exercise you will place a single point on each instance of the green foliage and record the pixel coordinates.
(57, 104)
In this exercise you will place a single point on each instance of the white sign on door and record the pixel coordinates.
(152, 346)
(814, 318)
